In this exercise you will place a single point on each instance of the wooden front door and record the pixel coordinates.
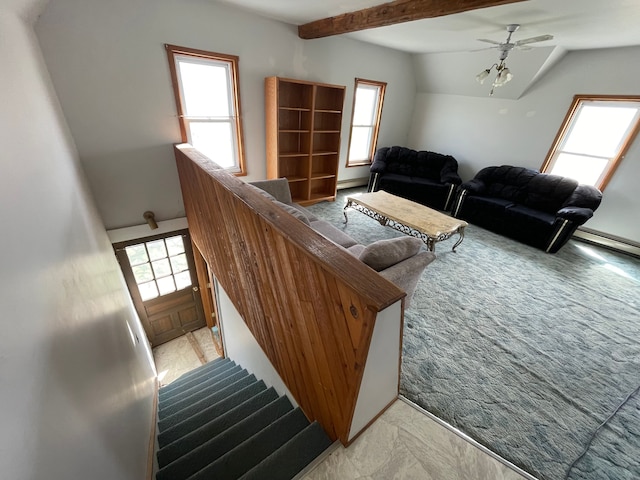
(161, 276)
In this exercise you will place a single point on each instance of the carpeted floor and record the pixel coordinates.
(526, 352)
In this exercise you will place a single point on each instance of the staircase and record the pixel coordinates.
(220, 422)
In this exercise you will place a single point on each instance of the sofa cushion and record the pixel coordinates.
(384, 253)
(548, 192)
(327, 230)
(506, 181)
(262, 192)
(278, 188)
(293, 211)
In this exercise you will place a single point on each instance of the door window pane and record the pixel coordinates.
(156, 249)
(175, 245)
(161, 268)
(166, 285)
(137, 254)
(142, 273)
(148, 291)
(183, 280)
(179, 263)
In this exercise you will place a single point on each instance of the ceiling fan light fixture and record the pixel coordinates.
(482, 76)
(504, 76)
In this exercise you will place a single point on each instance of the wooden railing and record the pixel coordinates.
(310, 304)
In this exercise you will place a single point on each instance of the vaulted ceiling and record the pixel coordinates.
(447, 53)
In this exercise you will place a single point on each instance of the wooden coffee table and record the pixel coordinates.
(408, 217)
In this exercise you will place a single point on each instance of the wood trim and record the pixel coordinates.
(398, 11)
(233, 60)
(568, 120)
(296, 290)
(376, 125)
(152, 435)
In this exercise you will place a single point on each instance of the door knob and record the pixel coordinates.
(195, 289)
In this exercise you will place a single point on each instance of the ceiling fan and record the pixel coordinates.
(504, 75)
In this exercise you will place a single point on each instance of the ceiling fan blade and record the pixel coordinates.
(526, 41)
(488, 41)
(481, 49)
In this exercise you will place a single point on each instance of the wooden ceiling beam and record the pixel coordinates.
(398, 11)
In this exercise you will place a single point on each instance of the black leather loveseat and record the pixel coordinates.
(425, 177)
(535, 208)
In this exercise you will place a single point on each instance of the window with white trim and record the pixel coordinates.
(594, 138)
(365, 121)
(208, 103)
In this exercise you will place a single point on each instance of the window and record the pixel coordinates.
(595, 136)
(208, 101)
(365, 121)
(159, 267)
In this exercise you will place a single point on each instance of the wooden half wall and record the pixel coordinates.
(310, 305)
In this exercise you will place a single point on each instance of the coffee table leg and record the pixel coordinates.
(344, 211)
(431, 244)
(461, 233)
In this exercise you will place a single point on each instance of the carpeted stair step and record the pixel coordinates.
(203, 432)
(276, 416)
(165, 405)
(178, 382)
(210, 413)
(180, 385)
(233, 464)
(290, 459)
(227, 387)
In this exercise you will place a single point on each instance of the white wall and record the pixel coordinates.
(490, 131)
(241, 346)
(110, 71)
(75, 372)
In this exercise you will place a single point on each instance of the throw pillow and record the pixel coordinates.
(293, 211)
(385, 253)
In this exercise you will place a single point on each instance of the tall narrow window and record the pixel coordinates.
(593, 139)
(208, 103)
(365, 121)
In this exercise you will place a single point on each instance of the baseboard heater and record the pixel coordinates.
(608, 241)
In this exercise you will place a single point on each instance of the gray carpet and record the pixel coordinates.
(526, 352)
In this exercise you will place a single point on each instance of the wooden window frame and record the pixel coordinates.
(567, 124)
(172, 51)
(382, 86)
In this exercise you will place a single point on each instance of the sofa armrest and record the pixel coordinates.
(474, 186)
(577, 215)
(450, 177)
(379, 164)
(405, 274)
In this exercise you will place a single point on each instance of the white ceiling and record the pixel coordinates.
(575, 24)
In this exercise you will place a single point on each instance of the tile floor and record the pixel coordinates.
(178, 356)
(404, 443)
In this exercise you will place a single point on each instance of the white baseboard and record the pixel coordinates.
(353, 182)
(608, 241)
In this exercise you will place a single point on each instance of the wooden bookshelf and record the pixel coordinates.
(303, 127)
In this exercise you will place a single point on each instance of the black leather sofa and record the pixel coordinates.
(538, 209)
(425, 177)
